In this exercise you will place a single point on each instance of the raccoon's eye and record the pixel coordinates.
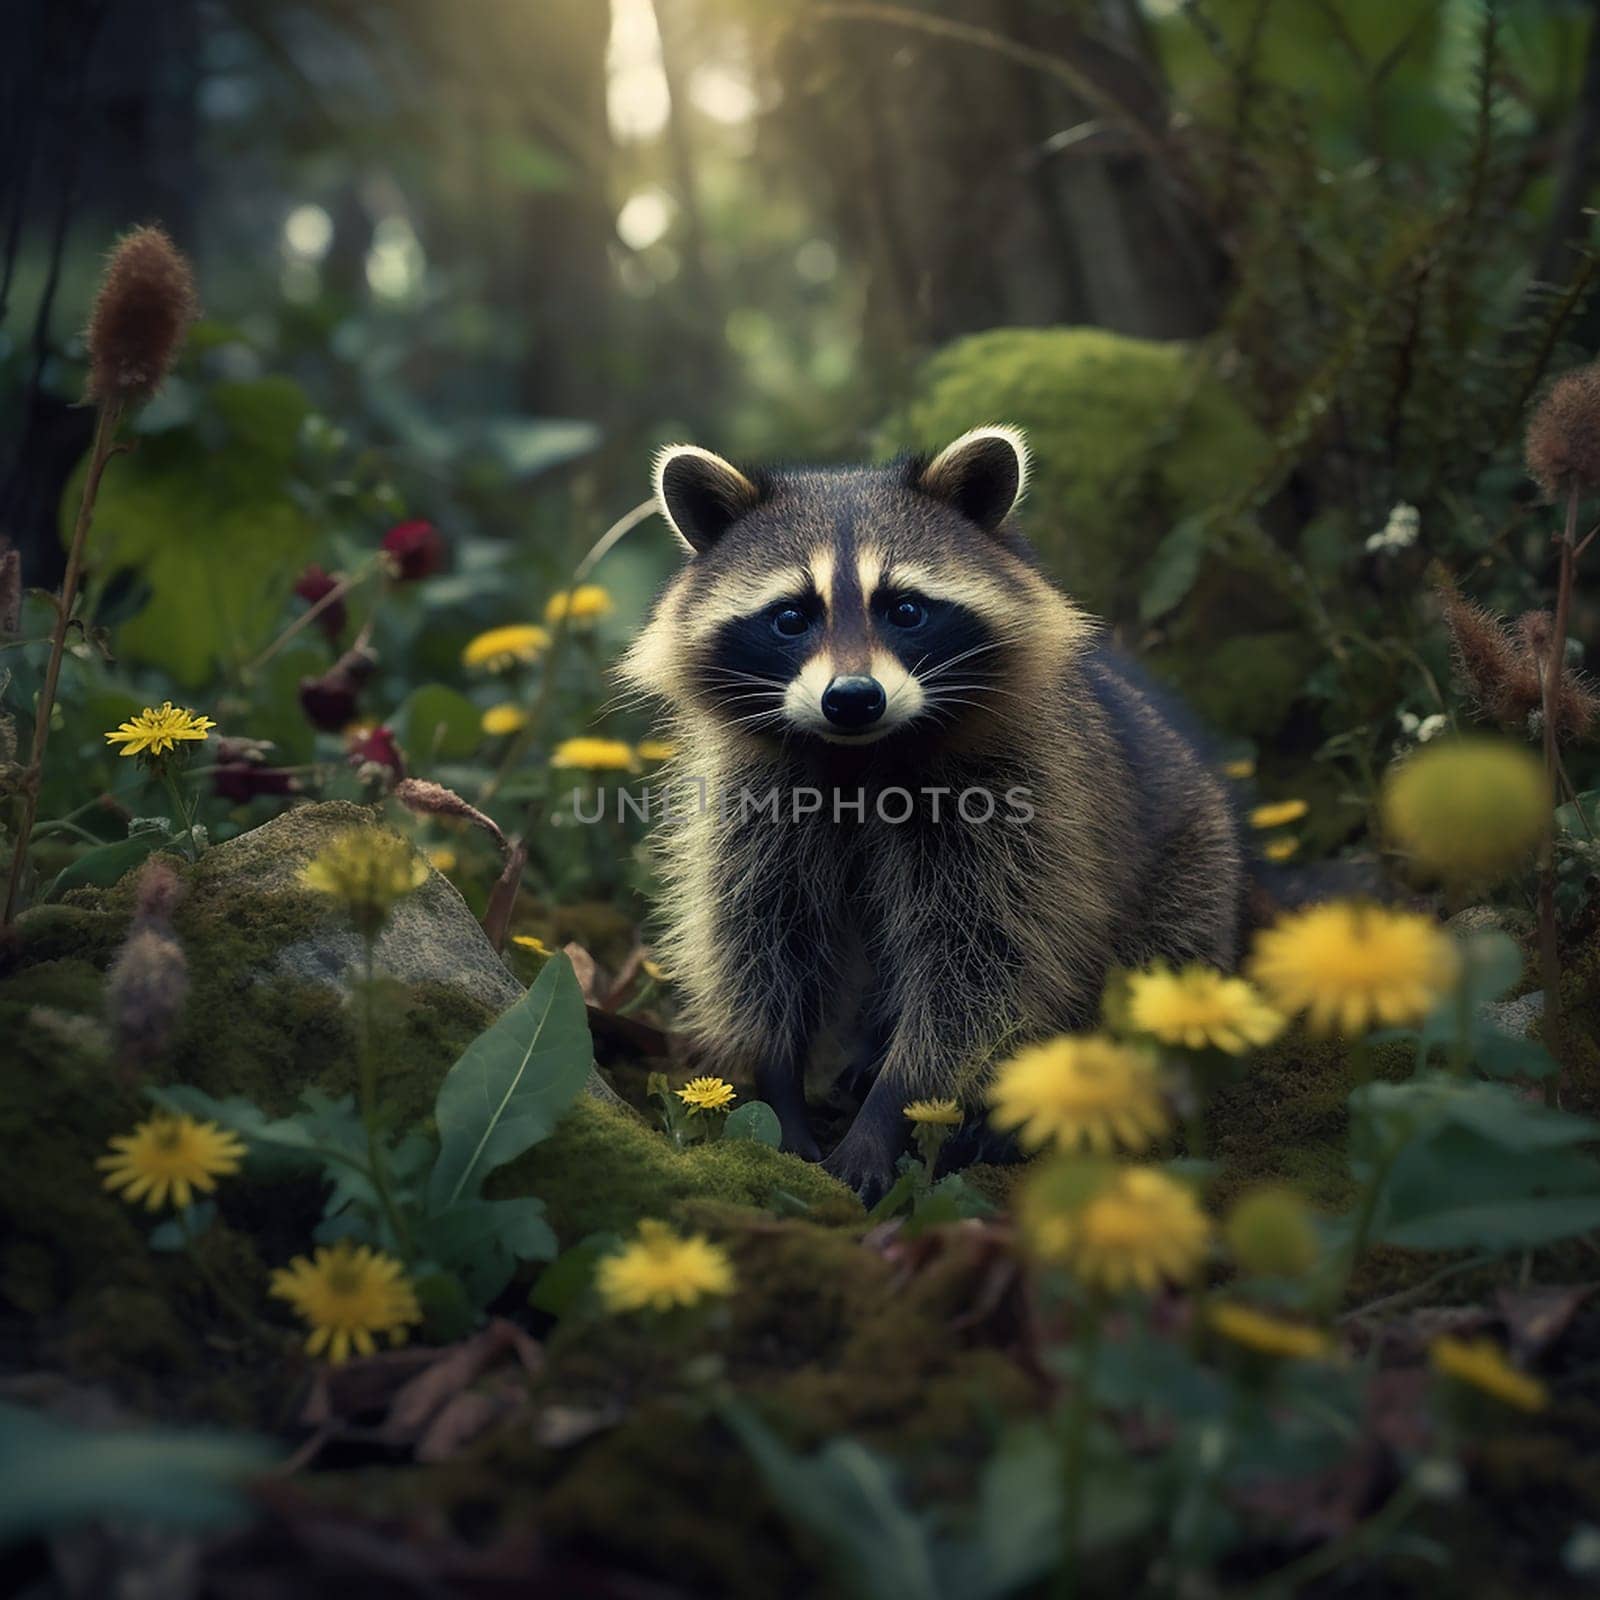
(907, 613)
(790, 622)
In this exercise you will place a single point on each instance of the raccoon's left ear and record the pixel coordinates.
(983, 474)
(700, 494)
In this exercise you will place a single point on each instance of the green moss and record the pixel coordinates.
(1128, 437)
(604, 1168)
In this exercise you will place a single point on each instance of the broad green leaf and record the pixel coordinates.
(1174, 567)
(1499, 1224)
(845, 1497)
(207, 516)
(511, 1085)
(53, 1475)
(104, 865)
(567, 1279)
(436, 722)
(756, 1120)
(481, 1241)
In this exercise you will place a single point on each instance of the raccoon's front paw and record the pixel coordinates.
(798, 1140)
(863, 1163)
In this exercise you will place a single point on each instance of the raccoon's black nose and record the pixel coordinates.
(853, 702)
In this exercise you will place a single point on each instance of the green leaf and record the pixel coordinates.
(845, 1497)
(1174, 566)
(756, 1120)
(175, 1233)
(511, 1085)
(481, 1241)
(56, 1476)
(447, 1310)
(208, 516)
(436, 723)
(1499, 1224)
(567, 1279)
(106, 864)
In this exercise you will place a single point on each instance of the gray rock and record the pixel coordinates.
(1517, 1017)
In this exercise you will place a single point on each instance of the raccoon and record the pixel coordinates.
(838, 643)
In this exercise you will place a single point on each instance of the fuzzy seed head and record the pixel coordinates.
(145, 993)
(159, 891)
(141, 314)
(433, 799)
(1563, 444)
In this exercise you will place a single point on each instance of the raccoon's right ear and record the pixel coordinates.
(700, 494)
(983, 474)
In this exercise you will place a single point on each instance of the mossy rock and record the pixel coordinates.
(1128, 437)
(604, 1168)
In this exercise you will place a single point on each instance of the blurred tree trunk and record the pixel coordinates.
(99, 122)
(982, 190)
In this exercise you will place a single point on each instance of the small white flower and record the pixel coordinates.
(1431, 727)
(1399, 532)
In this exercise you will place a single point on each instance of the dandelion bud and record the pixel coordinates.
(313, 585)
(145, 993)
(1467, 810)
(1271, 1234)
(433, 799)
(1563, 444)
(145, 305)
(414, 550)
(11, 592)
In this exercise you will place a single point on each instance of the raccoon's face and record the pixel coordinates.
(847, 606)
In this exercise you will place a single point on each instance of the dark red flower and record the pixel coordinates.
(312, 585)
(329, 702)
(379, 746)
(244, 780)
(416, 550)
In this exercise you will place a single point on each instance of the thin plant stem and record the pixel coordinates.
(1075, 1449)
(311, 613)
(101, 451)
(184, 814)
(1554, 670)
(369, 1102)
(225, 1296)
(1330, 1557)
(1361, 1234)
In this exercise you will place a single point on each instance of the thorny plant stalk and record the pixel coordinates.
(376, 1165)
(1552, 669)
(104, 447)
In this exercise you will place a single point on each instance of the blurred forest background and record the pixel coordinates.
(472, 262)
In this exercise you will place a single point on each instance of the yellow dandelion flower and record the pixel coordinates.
(526, 941)
(653, 970)
(661, 1269)
(369, 870)
(440, 857)
(503, 719)
(1467, 810)
(155, 730)
(170, 1156)
(1480, 1364)
(1277, 813)
(1239, 770)
(349, 1294)
(654, 750)
(1133, 1230)
(498, 649)
(935, 1113)
(585, 604)
(1200, 1007)
(593, 755)
(707, 1094)
(1266, 1334)
(1350, 966)
(1283, 849)
(1081, 1091)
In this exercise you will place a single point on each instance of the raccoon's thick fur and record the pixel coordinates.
(837, 643)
